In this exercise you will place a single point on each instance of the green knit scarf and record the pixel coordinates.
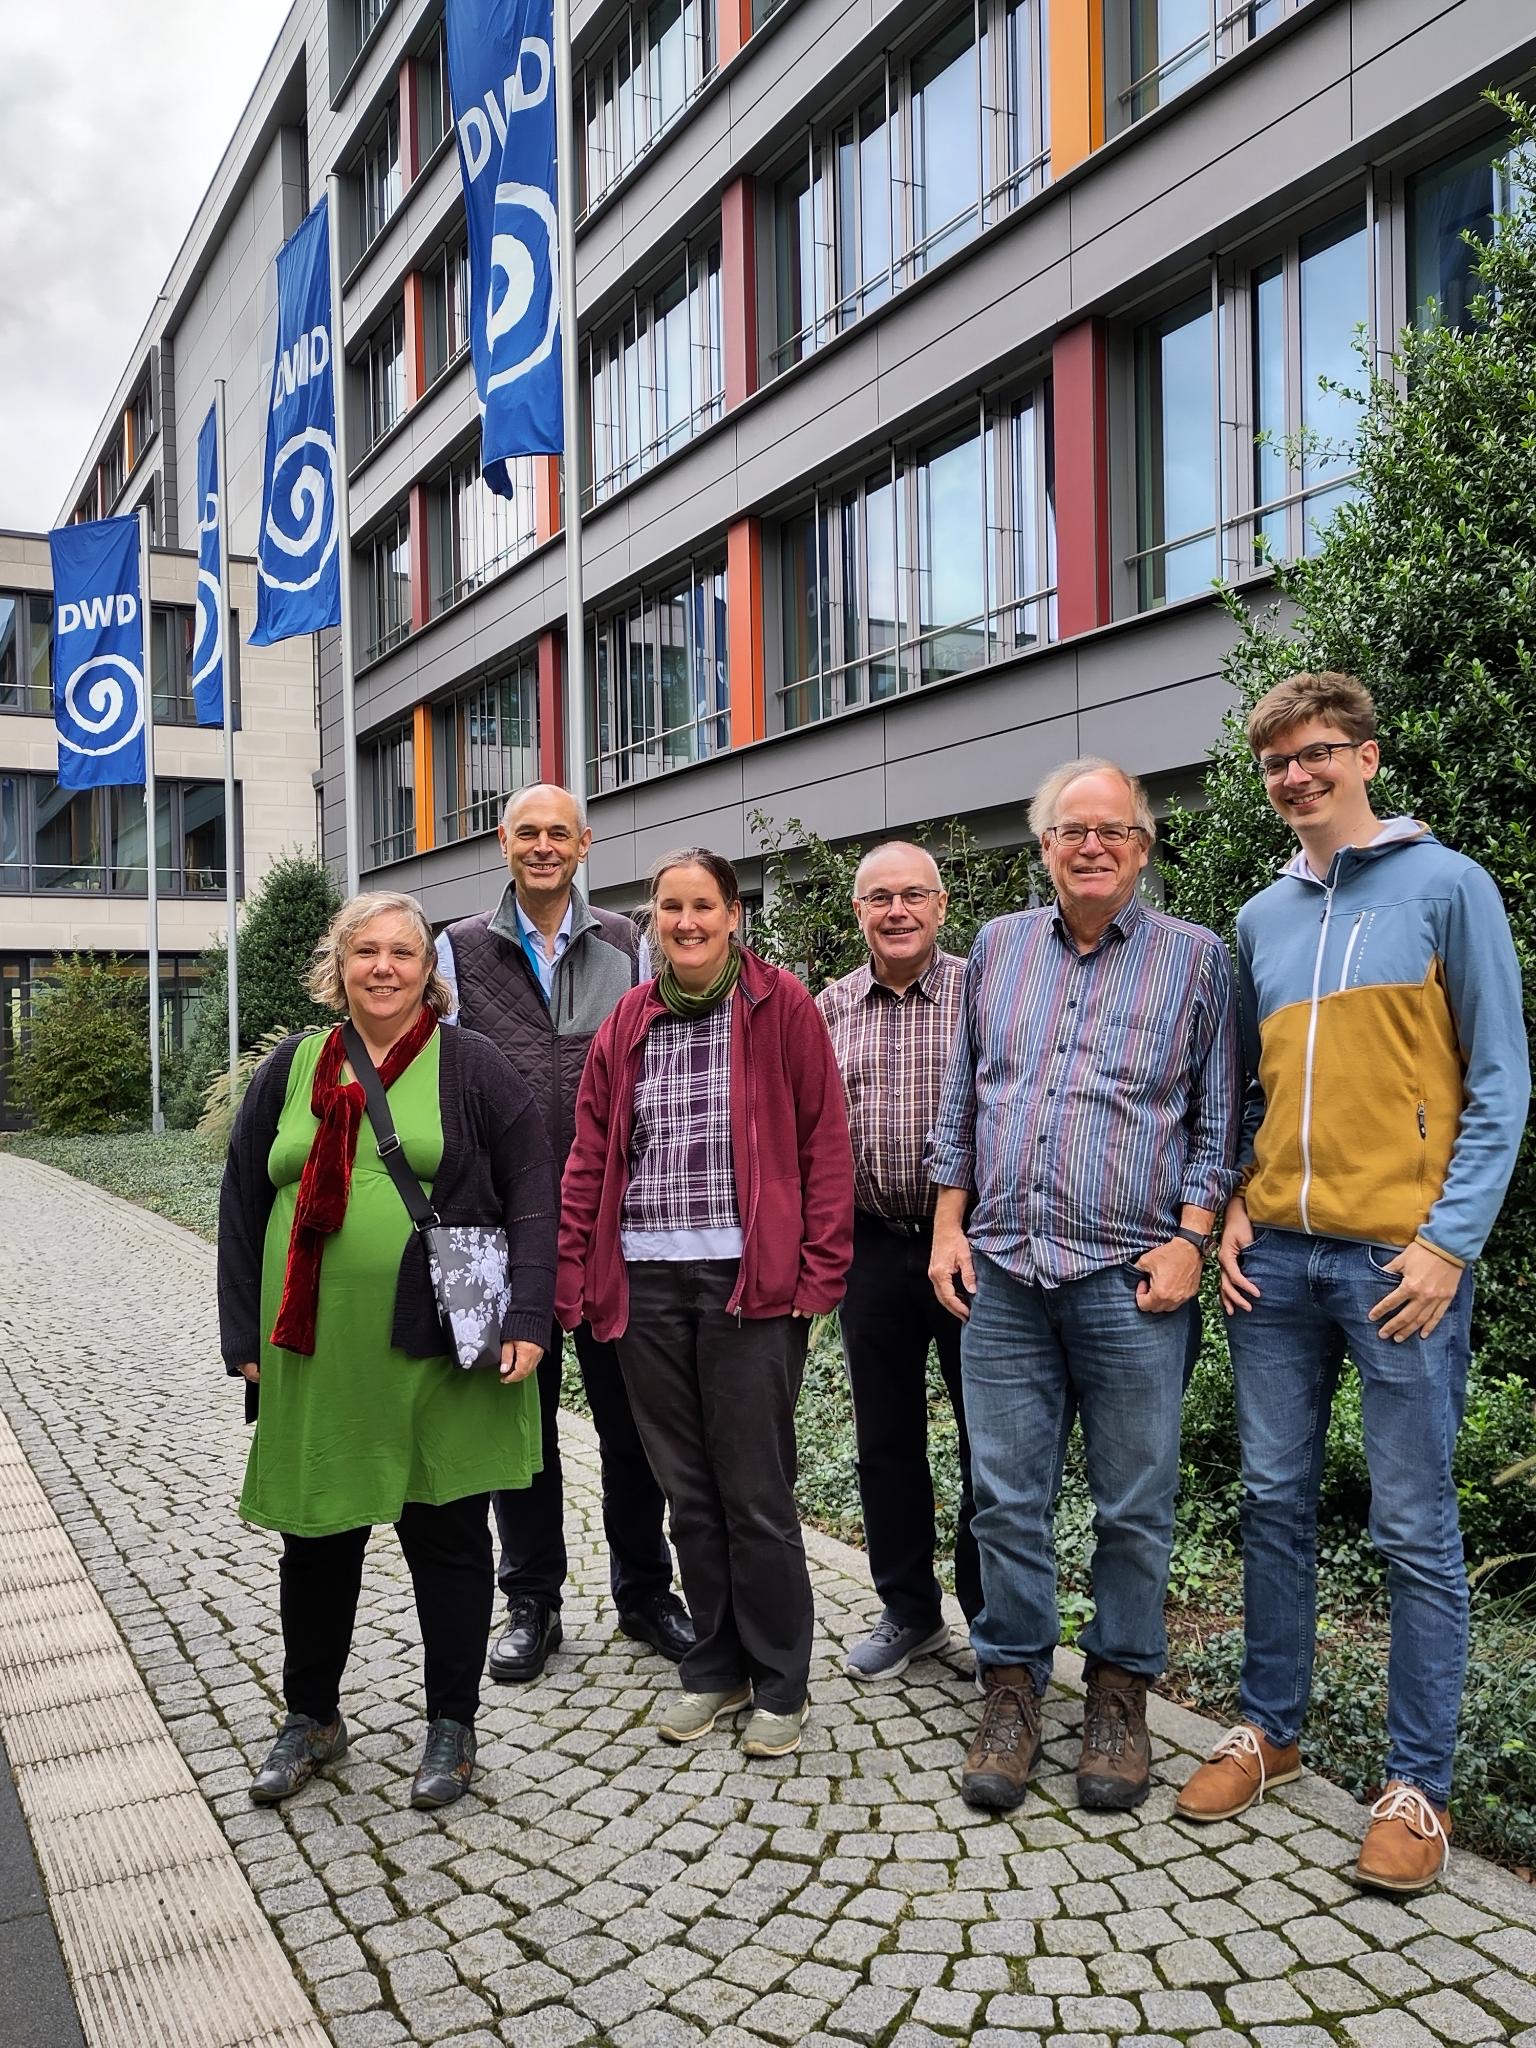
(682, 1003)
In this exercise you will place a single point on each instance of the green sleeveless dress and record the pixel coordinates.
(344, 1439)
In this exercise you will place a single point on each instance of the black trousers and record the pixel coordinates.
(531, 1521)
(448, 1550)
(715, 1397)
(889, 1314)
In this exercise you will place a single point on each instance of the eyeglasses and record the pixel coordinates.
(909, 899)
(1107, 835)
(1318, 755)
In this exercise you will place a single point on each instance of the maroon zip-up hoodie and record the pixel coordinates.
(789, 1139)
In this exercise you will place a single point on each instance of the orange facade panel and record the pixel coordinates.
(1076, 82)
(426, 780)
(744, 631)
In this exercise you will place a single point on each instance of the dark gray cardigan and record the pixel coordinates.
(496, 1169)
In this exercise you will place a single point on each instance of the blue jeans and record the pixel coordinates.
(1286, 1354)
(1032, 1358)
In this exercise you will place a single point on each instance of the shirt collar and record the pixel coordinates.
(1122, 924)
(926, 984)
(530, 930)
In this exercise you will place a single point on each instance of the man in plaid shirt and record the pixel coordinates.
(892, 1023)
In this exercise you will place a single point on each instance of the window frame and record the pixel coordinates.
(631, 756)
(601, 91)
(445, 284)
(381, 375)
(381, 191)
(462, 756)
(389, 613)
(1228, 30)
(452, 575)
(98, 807)
(388, 805)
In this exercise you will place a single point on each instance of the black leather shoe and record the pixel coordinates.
(447, 1765)
(664, 1623)
(303, 1744)
(522, 1649)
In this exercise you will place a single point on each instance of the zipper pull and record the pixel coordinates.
(1423, 1123)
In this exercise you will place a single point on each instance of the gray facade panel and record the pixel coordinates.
(977, 774)
(1163, 731)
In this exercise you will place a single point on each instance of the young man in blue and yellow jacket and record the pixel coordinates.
(1388, 1084)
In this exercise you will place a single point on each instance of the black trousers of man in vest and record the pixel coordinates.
(531, 1521)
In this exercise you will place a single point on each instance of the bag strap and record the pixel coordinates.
(412, 1193)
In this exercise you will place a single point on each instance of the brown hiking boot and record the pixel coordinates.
(1006, 1746)
(1114, 1772)
(1408, 1843)
(1239, 1770)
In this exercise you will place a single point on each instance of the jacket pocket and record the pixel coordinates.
(777, 1241)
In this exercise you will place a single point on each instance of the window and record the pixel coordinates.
(931, 152)
(392, 778)
(445, 296)
(475, 533)
(489, 748)
(389, 586)
(653, 382)
(434, 111)
(1176, 490)
(26, 623)
(1462, 194)
(91, 841)
(1158, 47)
(112, 469)
(939, 560)
(658, 686)
(172, 633)
(639, 85)
(366, 16)
(381, 173)
(141, 419)
(384, 377)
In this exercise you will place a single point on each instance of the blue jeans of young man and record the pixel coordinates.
(1314, 1298)
(1032, 1358)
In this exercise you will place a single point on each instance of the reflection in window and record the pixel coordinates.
(658, 683)
(126, 824)
(384, 377)
(381, 173)
(1462, 195)
(1163, 46)
(658, 378)
(445, 306)
(946, 131)
(389, 587)
(1177, 551)
(476, 533)
(489, 748)
(13, 872)
(172, 632)
(639, 85)
(434, 110)
(66, 837)
(26, 621)
(391, 763)
(939, 561)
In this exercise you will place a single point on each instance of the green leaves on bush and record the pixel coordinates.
(85, 1063)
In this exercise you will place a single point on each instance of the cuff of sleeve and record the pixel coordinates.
(1208, 1192)
(1440, 1252)
(951, 1169)
(525, 1327)
(818, 1302)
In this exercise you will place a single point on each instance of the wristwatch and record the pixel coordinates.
(1201, 1240)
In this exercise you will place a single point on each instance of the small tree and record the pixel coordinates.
(1425, 587)
(283, 922)
(807, 921)
(85, 1064)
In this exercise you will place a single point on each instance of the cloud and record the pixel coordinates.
(113, 117)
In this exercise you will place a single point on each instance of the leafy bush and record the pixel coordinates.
(176, 1174)
(85, 1063)
(226, 1091)
(1425, 589)
(293, 904)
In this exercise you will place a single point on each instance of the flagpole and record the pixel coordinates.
(343, 540)
(575, 618)
(152, 889)
(226, 671)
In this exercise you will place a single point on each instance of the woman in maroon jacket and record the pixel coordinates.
(706, 1216)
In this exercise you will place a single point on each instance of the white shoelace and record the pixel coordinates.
(1239, 1742)
(1407, 1803)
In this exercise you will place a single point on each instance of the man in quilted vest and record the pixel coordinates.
(537, 975)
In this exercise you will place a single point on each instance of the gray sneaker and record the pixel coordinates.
(302, 1745)
(890, 1647)
(693, 1714)
(774, 1734)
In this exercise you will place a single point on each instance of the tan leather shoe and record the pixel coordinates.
(1239, 1770)
(1408, 1843)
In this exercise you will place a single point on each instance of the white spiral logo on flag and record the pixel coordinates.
(525, 238)
(208, 642)
(301, 519)
(101, 708)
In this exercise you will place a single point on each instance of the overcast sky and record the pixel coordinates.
(113, 117)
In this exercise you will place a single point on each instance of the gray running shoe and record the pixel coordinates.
(447, 1765)
(891, 1646)
(693, 1714)
(303, 1744)
(769, 1734)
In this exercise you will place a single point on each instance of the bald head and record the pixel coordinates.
(545, 797)
(899, 900)
(890, 851)
(545, 836)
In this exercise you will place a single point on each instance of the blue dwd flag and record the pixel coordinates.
(99, 696)
(298, 570)
(501, 74)
(208, 645)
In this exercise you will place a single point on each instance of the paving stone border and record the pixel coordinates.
(597, 1887)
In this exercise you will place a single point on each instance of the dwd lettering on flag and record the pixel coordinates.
(208, 646)
(501, 76)
(298, 570)
(98, 653)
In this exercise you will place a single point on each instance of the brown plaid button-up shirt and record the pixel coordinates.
(892, 1051)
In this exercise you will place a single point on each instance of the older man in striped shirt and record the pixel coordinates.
(1084, 1143)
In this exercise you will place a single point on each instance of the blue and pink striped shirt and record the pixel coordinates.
(1089, 1095)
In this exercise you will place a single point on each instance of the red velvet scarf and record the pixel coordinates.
(327, 1177)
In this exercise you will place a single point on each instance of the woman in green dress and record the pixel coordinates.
(326, 1309)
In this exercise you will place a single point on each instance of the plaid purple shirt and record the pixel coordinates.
(681, 1167)
(892, 1051)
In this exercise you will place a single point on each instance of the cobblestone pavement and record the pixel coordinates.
(598, 1888)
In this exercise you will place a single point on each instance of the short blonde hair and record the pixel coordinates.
(1327, 695)
(1042, 811)
(326, 979)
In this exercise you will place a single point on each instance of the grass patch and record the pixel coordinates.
(176, 1175)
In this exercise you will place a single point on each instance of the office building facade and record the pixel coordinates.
(936, 361)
